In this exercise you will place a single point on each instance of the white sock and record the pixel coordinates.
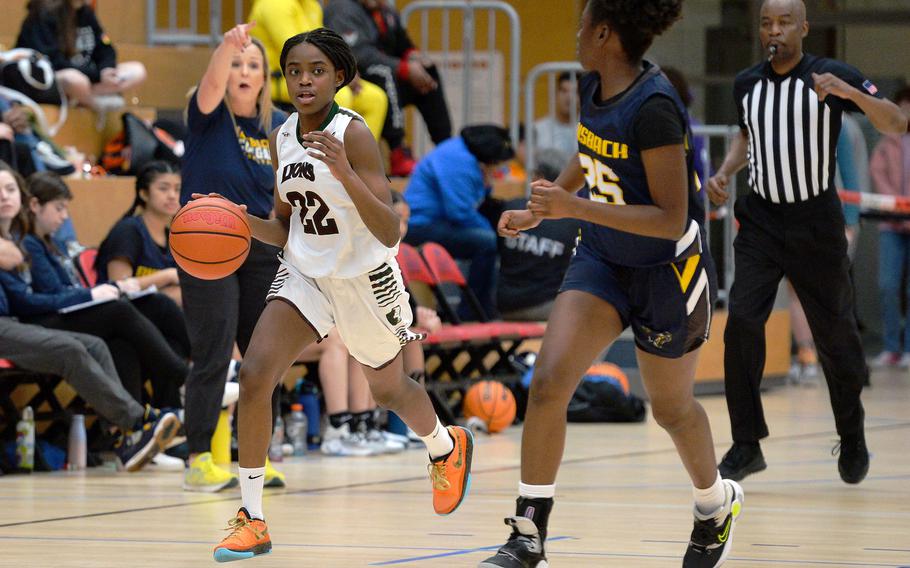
(251, 480)
(536, 491)
(438, 442)
(709, 500)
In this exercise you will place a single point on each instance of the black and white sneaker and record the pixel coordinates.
(524, 549)
(137, 447)
(712, 536)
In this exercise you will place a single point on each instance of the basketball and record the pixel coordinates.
(210, 238)
(492, 402)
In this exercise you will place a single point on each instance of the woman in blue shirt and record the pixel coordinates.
(229, 118)
(137, 246)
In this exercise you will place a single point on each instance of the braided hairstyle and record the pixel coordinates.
(637, 22)
(331, 44)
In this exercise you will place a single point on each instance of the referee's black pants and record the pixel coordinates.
(804, 242)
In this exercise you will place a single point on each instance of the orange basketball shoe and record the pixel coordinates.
(248, 538)
(451, 474)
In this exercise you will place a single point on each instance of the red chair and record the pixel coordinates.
(85, 265)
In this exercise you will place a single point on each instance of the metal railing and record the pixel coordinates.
(552, 70)
(189, 13)
(469, 9)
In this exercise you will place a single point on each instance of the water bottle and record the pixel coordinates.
(77, 447)
(275, 453)
(297, 429)
(25, 440)
(308, 397)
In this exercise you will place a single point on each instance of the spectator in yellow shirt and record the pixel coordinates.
(276, 21)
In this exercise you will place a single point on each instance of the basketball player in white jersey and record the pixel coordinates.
(334, 218)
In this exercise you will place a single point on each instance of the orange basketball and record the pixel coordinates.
(492, 402)
(210, 238)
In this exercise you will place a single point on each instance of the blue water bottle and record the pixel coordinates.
(308, 396)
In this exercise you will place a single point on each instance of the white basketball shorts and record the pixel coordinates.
(371, 311)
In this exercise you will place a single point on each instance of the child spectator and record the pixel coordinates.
(85, 363)
(137, 246)
(138, 348)
(85, 62)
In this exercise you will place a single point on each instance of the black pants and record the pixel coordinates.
(432, 106)
(218, 312)
(138, 348)
(804, 242)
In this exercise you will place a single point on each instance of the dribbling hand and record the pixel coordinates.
(514, 221)
(218, 196)
(717, 189)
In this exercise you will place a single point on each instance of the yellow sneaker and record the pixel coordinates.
(273, 477)
(205, 476)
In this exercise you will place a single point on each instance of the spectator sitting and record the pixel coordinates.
(85, 62)
(532, 265)
(278, 20)
(444, 194)
(138, 348)
(559, 132)
(85, 363)
(387, 56)
(15, 126)
(137, 246)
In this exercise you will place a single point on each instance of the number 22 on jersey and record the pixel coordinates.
(604, 183)
(317, 224)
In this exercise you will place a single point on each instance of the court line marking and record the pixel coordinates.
(233, 497)
(458, 552)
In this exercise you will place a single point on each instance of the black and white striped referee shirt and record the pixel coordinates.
(792, 135)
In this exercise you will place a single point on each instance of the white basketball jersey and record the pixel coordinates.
(327, 236)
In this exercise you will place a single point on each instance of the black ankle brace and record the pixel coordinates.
(538, 510)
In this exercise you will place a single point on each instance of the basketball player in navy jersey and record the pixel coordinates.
(640, 263)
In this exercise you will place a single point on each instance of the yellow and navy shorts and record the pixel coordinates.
(668, 306)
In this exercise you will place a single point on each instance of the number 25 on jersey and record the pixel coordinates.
(604, 183)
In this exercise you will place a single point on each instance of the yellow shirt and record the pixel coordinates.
(276, 21)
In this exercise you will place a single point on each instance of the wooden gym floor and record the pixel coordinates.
(623, 501)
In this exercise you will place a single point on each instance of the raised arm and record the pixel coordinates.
(884, 115)
(214, 83)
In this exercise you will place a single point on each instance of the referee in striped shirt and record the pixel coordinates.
(791, 224)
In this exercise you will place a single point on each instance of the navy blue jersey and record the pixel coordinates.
(610, 150)
(130, 240)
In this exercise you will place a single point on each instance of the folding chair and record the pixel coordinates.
(12, 377)
(85, 266)
(509, 335)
